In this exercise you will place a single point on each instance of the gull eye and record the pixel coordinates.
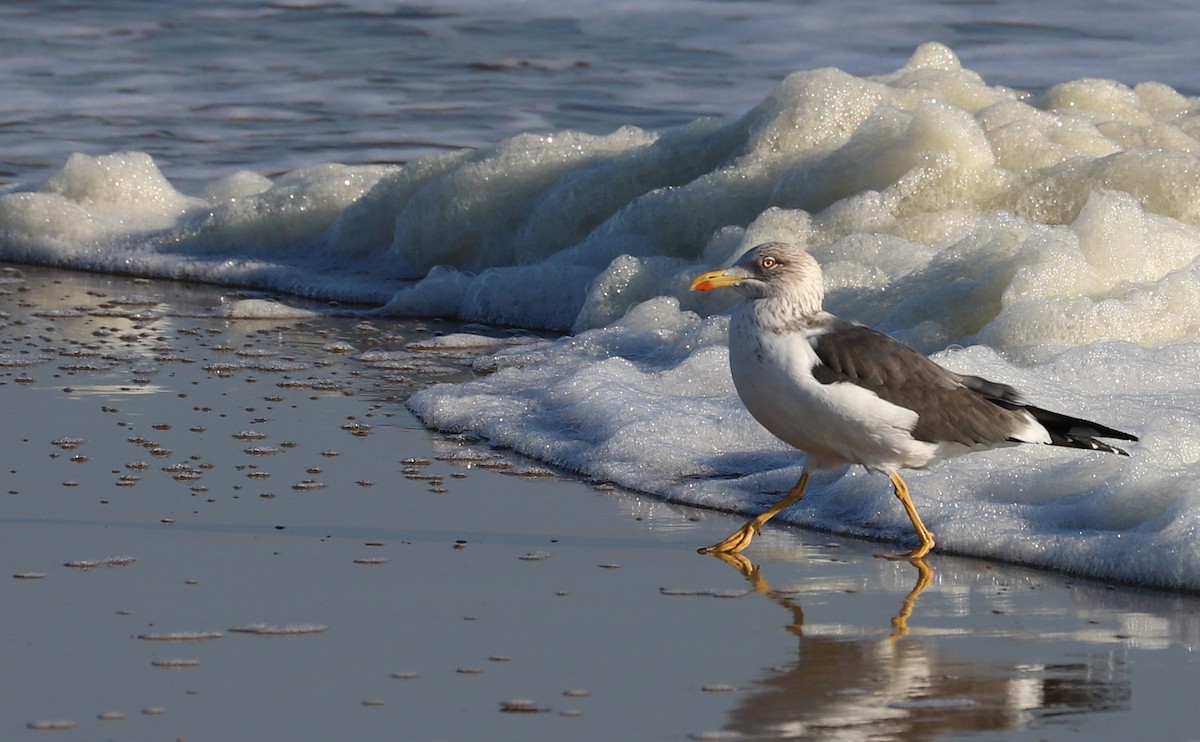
(768, 263)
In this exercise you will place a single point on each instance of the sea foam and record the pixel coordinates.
(1049, 241)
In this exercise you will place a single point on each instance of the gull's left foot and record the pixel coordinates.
(737, 541)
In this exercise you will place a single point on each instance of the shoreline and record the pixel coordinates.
(321, 564)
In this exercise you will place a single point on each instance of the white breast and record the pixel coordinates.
(833, 423)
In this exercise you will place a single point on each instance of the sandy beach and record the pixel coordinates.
(230, 529)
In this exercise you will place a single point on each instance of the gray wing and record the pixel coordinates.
(949, 407)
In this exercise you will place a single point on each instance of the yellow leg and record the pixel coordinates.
(742, 537)
(923, 533)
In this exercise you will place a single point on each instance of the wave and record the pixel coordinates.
(1051, 241)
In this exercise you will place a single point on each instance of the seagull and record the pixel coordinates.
(846, 394)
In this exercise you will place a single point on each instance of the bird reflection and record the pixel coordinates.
(899, 621)
(842, 687)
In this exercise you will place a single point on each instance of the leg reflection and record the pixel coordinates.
(924, 577)
(754, 576)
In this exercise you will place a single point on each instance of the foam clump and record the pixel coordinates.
(463, 341)
(127, 179)
(261, 309)
(263, 629)
(90, 201)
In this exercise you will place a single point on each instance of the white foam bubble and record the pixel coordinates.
(261, 309)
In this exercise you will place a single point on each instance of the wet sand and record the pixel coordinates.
(220, 529)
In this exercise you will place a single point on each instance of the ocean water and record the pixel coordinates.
(1012, 187)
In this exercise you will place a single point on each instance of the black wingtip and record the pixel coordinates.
(1086, 442)
(1075, 432)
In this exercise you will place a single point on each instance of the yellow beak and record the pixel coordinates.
(713, 280)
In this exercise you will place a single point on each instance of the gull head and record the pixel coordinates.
(773, 270)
